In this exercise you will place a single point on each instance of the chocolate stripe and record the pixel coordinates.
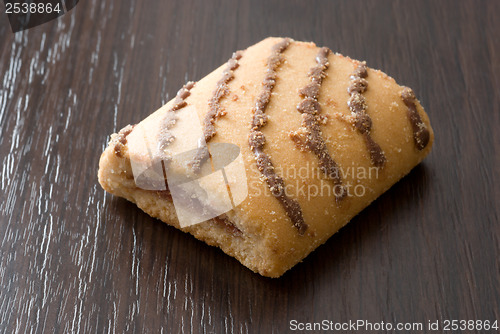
(215, 110)
(310, 109)
(257, 139)
(421, 134)
(359, 118)
(165, 137)
(121, 140)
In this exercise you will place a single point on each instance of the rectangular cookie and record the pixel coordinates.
(272, 153)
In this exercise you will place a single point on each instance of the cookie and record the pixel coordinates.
(272, 153)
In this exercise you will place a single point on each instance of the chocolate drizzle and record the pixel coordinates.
(215, 110)
(165, 137)
(310, 109)
(229, 227)
(421, 134)
(121, 140)
(257, 139)
(359, 118)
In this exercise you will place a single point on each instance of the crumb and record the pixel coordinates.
(330, 102)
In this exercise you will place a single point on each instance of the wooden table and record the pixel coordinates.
(75, 259)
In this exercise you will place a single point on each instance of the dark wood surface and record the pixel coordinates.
(75, 259)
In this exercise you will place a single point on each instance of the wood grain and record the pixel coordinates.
(74, 259)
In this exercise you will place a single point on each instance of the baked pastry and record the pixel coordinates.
(272, 153)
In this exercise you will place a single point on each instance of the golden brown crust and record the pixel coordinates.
(267, 241)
